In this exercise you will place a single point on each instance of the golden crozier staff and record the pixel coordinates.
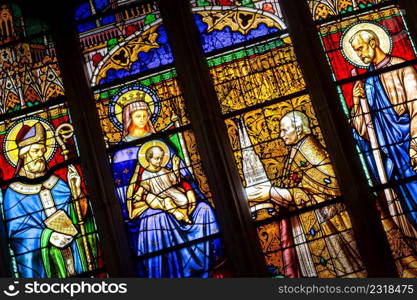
(64, 132)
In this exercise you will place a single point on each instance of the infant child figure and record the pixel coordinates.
(161, 189)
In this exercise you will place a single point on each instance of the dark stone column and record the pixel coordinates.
(94, 160)
(370, 236)
(5, 259)
(240, 238)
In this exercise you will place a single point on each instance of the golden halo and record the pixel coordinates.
(130, 97)
(11, 150)
(142, 151)
(350, 54)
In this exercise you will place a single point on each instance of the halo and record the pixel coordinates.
(142, 151)
(10, 148)
(128, 95)
(350, 55)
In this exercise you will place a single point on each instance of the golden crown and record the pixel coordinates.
(132, 96)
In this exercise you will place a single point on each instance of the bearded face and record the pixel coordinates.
(34, 159)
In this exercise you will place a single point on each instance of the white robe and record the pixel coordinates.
(162, 184)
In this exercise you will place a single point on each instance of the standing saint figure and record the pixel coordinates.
(308, 178)
(42, 223)
(391, 98)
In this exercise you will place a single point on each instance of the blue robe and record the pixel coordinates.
(393, 134)
(25, 216)
(156, 230)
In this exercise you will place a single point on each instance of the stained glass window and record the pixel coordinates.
(292, 192)
(29, 73)
(45, 209)
(164, 196)
(291, 187)
(373, 61)
(325, 9)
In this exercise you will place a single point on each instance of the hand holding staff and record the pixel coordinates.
(64, 132)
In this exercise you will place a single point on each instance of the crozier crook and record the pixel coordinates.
(64, 132)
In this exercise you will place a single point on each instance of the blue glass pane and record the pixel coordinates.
(108, 20)
(101, 4)
(219, 39)
(83, 11)
(86, 26)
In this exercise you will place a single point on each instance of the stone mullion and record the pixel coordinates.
(239, 233)
(117, 255)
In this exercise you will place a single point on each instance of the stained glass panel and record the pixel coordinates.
(276, 139)
(49, 222)
(263, 158)
(387, 23)
(55, 120)
(255, 74)
(189, 265)
(164, 196)
(114, 51)
(29, 74)
(161, 182)
(373, 61)
(161, 93)
(46, 249)
(221, 25)
(131, 46)
(14, 27)
(400, 233)
(88, 9)
(325, 246)
(323, 9)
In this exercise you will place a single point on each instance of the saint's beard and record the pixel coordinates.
(36, 166)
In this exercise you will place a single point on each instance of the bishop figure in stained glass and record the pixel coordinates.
(47, 221)
(308, 178)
